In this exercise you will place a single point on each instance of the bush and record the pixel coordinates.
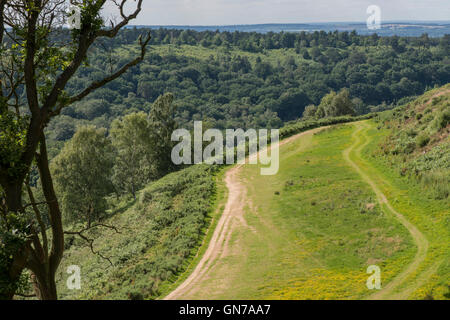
(411, 132)
(422, 140)
(443, 119)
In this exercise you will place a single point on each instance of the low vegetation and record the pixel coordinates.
(294, 127)
(419, 144)
(416, 178)
(155, 239)
(317, 225)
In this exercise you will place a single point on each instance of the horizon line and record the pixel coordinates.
(292, 23)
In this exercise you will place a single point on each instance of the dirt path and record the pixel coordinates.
(233, 213)
(388, 291)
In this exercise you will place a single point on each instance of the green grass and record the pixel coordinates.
(310, 234)
(418, 143)
(430, 215)
(159, 240)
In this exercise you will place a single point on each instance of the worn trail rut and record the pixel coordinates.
(389, 291)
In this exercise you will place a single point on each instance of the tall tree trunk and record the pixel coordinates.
(47, 281)
(42, 265)
(44, 285)
(36, 17)
(34, 259)
(13, 192)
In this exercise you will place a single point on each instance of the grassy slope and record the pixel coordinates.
(315, 238)
(312, 240)
(418, 143)
(159, 239)
(429, 215)
(211, 222)
(416, 177)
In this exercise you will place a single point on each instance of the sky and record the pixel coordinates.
(232, 12)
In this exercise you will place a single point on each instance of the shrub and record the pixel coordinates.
(411, 132)
(443, 119)
(422, 140)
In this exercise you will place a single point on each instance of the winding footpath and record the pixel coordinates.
(233, 214)
(389, 291)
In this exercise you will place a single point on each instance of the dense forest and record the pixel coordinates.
(253, 80)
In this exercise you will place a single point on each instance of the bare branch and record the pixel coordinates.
(91, 241)
(110, 33)
(37, 212)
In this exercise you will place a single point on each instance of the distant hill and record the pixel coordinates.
(399, 28)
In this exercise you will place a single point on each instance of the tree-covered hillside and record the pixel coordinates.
(254, 80)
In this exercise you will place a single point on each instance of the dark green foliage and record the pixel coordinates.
(253, 80)
(162, 124)
(82, 175)
(13, 235)
(12, 139)
(291, 104)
